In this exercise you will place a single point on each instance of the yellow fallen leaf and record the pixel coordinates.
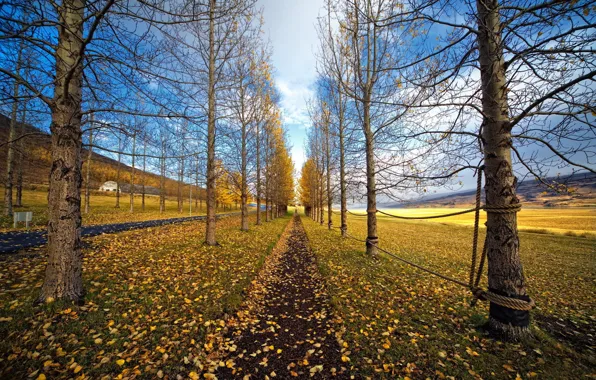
(41, 377)
(120, 362)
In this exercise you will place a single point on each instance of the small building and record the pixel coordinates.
(109, 186)
(125, 188)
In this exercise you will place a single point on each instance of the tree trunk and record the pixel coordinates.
(88, 174)
(118, 173)
(180, 187)
(258, 141)
(211, 211)
(21, 159)
(244, 186)
(63, 277)
(505, 273)
(11, 136)
(342, 169)
(198, 192)
(371, 191)
(328, 167)
(143, 174)
(321, 197)
(132, 173)
(162, 178)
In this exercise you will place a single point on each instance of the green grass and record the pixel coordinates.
(400, 322)
(153, 296)
(102, 209)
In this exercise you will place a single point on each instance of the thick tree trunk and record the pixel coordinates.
(88, 169)
(211, 211)
(63, 277)
(505, 273)
(132, 173)
(371, 192)
(11, 136)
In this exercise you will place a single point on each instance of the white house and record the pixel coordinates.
(109, 186)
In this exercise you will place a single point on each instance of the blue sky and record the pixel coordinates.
(290, 27)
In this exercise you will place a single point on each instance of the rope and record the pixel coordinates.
(475, 274)
(502, 209)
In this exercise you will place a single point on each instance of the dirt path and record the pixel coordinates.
(285, 329)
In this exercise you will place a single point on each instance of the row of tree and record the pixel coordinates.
(183, 89)
(414, 94)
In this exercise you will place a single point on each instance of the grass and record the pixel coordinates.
(153, 296)
(563, 221)
(102, 210)
(402, 323)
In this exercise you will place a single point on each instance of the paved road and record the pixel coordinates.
(11, 242)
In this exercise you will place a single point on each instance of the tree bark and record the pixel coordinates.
(132, 173)
(63, 277)
(118, 173)
(371, 192)
(21, 159)
(88, 174)
(505, 272)
(342, 168)
(211, 191)
(162, 178)
(244, 186)
(143, 174)
(258, 141)
(11, 136)
(328, 167)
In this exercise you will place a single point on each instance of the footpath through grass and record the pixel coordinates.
(153, 295)
(401, 323)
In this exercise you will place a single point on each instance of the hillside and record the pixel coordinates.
(577, 190)
(36, 162)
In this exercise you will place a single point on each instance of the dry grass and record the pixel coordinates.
(153, 296)
(401, 322)
(564, 221)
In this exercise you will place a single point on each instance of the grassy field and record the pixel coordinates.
(102, 209)
(153, 296)
(565, 221)
(402, 323)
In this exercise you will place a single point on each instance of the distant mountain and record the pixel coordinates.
(576, 190)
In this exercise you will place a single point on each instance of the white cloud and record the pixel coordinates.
(294, 98)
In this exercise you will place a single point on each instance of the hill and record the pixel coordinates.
(36, 162)
(576, 190)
